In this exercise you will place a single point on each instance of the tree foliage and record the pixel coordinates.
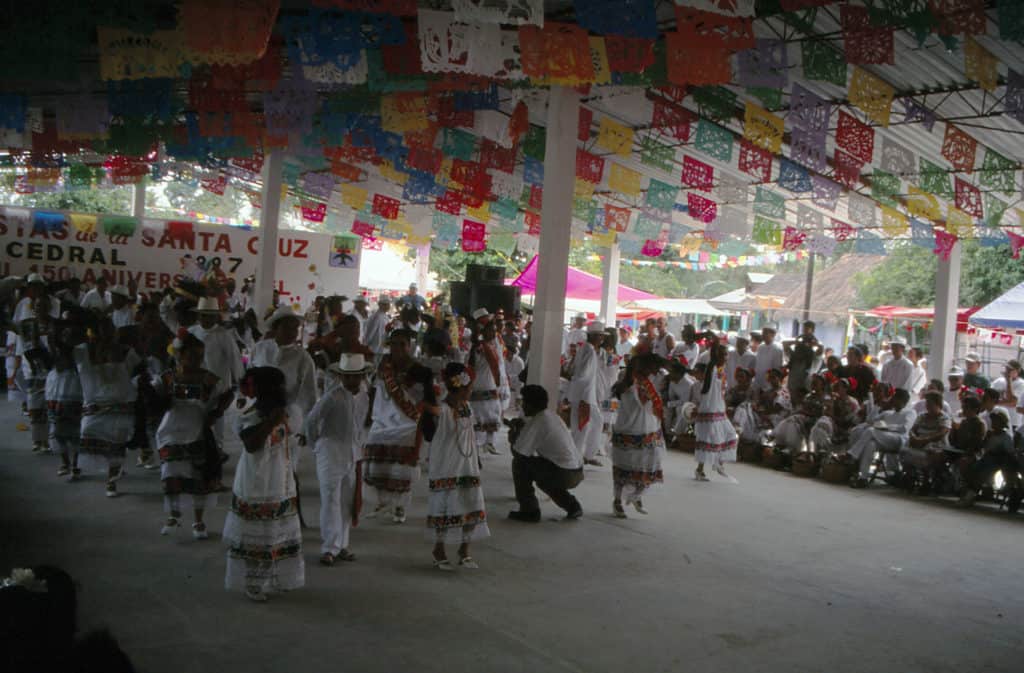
(907, 276)
(115, 201)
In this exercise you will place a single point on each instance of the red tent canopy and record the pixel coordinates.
(578, 285)
(905, 313)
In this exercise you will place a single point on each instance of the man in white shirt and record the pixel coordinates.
(97, 299)
(688, 347)
(281, 349)
(543, 453)
(887, 436)
(122, 312)
(919, 378)
(361, 313)
(625, 345)
(1011, 393)
(898, 371)
(769, 356)
(739, 358)
(375, 330)
(577, 333)
(951, 395)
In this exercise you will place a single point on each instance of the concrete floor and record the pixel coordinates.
(772, 574)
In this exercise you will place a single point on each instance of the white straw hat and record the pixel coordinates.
(280, 313)
(207, 305)
(350, 363)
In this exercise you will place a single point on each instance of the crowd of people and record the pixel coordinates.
(379, 396)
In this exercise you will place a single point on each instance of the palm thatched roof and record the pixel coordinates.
(832, 290)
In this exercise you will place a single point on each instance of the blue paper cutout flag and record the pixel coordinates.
(793, 176)
(921, 234)
(533, 171)
(44, 222)
(631, 18)
(869, 244)
(12, 112)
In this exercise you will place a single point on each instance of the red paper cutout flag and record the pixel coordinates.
(474, 236)
(216, 185)
(959, 149)
(536, 197)
(968, 197)
(519, 122)
(423, 138)
(531, 221)
(586, 119)
(863, 42)
(793, 239)
(755, 161)
(628, 54)
(362, 229)
(558, 51)
(841, 230)
(701, 208)
(386, 207)
(674, 119)
(616, 219)
(944, 243)
(403, 59)
(955, 17)
(493, 155)
(181, 231)
(847, 169)
(690, 65)
(313, 211)
(652, 248)
(1016, 243)
(425, 159)
(697, 174)
(710, 30)
(855, 137)
(589, 167)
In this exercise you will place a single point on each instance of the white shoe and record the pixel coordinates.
(255, 594)
(399, 515)
(199, 531)
(170, 526)
(111, 489)
(491, 449)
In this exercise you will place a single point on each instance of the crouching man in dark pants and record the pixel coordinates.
(543, 453)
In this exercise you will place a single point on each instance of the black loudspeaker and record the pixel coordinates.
(478, 273)
(468, 297)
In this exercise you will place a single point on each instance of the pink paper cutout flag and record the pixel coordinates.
(474, 236)
(944, 243)
(697, 174)
(793, 238)
(1016, 243)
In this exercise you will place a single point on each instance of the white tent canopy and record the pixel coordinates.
(665, 305)
(388, 269)
(1007, 311)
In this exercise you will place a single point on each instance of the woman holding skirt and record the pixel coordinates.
(262, 529)
(637, 442)
(716, 436)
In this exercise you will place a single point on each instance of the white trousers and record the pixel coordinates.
(591, 437)
(872, 440)
(337, 502)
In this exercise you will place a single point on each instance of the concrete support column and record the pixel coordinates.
(610, 285)
(422, 267)
(266, 265)
(139, 199)
(556, 217)
(947, 299)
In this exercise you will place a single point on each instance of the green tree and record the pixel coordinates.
(115, 201)
(907, 276)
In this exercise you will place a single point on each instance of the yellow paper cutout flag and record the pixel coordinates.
(872, 95)
(599, 55)
(387, 171)
(922, 204)
(83, 223)
(582, 189)
(605, 240)
(980, 65)
(624, 180)
(353, 197)
(402, 112)
(481, 214)
(763, 128)
(894, 223)
(958, 222)
(615, 137)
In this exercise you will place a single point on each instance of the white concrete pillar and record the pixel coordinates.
(422, 267)
(139, 199)
(556, 218)
(947, 299)
(266, 265)
(610, 285)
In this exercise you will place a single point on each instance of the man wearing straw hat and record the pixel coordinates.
(122, 312)
(222, 356)
(585, 421)
(375, 329)
(336, 429)
(898, 372)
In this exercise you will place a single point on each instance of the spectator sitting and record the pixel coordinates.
(998, 454)
(928, 442)
(887, 435)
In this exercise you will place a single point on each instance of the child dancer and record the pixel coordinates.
(637, 443)
(335, 428)
(64, 405)
(262, 529)
(189, 454)
(108, 414)
(455, 509)
(716, 436)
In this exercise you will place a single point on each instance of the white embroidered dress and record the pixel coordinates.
(455, 508)
(638, 446)
(716, 436)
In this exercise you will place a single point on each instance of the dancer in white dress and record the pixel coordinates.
(392, 451)
(32, 319)
(190, 463)
(262, 529)
(637, 442)
(485, 358)
(716, 436)
(455, 509)
(108, 413)
(64, 405)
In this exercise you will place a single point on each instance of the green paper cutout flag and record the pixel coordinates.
(118, 225)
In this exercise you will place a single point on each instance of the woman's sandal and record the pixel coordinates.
(700, 476)
(468, 562)
(327, 559)
(618, 510)
(639, 506)
(199, 531)
(170, 526)
(255, 594)
(443, 564)
(345, 555)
